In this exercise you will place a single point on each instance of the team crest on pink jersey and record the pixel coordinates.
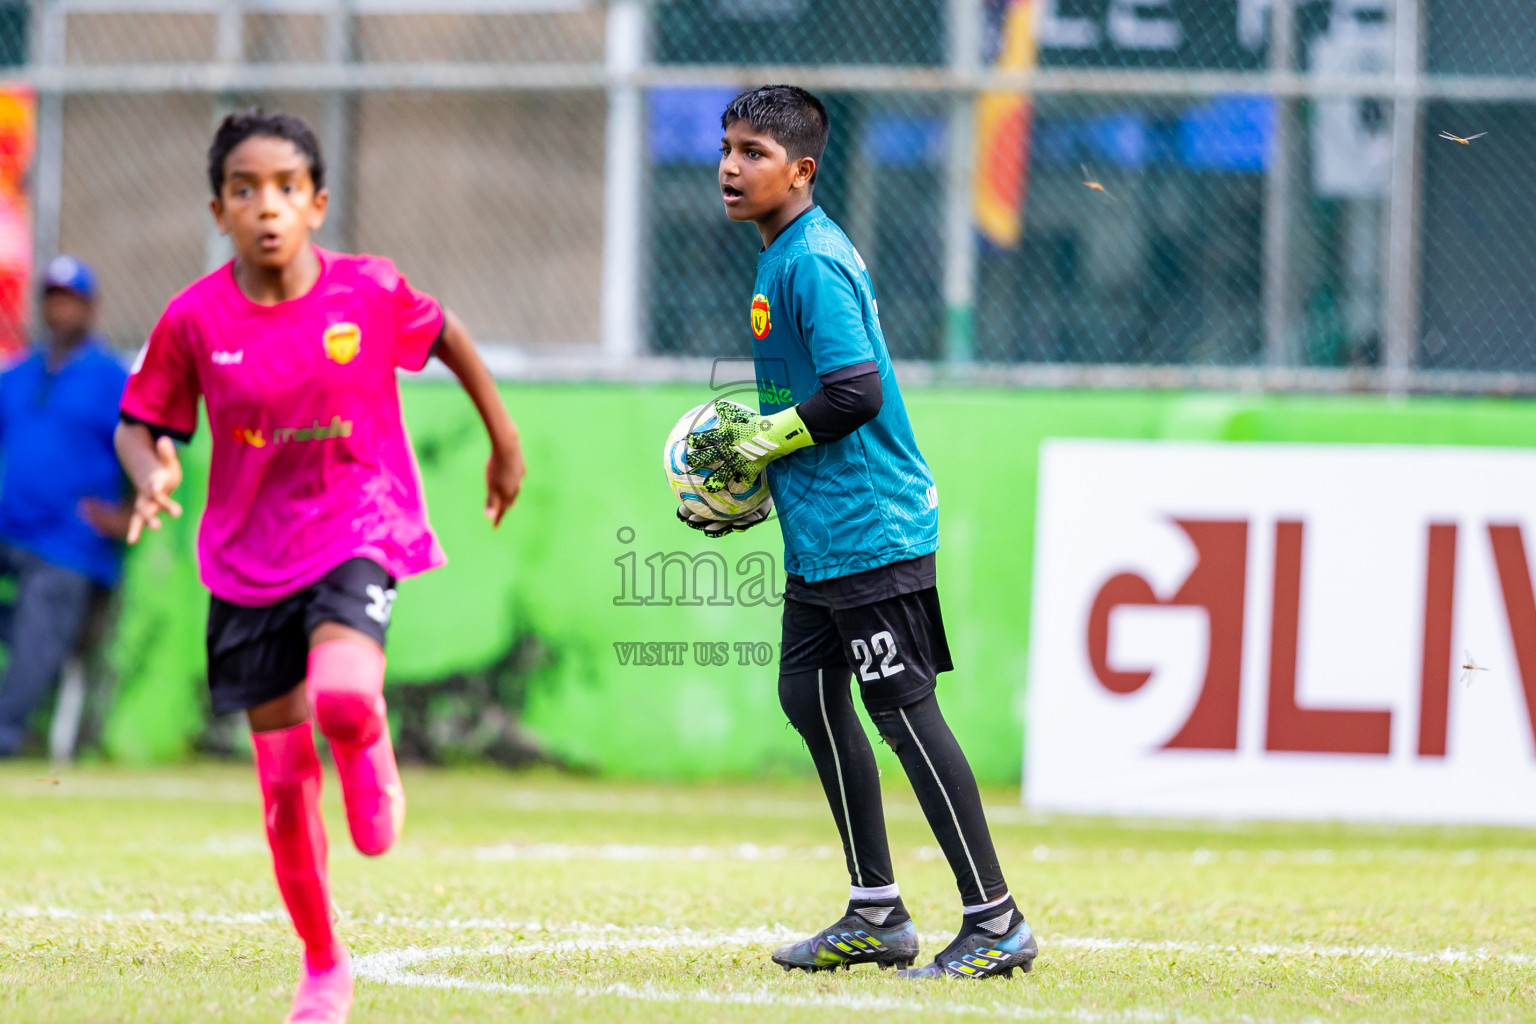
(342, 342)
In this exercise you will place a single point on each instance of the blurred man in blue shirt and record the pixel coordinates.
(61, 492)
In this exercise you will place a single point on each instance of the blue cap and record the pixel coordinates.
(71, 275)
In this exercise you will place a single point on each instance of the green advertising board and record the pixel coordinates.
(634, 611)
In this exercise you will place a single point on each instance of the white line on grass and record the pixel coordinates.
(646, 804)
(641, 852)
(595, 937)
(1203, 856)
(254, 845)
(135, 916)
(607, 935)
(641, 804)
(88, 787)
(393, 968)
(1304, 949)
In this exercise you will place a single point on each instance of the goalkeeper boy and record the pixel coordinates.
(859, 514)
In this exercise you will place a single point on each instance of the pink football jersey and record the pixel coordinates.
(311, 465)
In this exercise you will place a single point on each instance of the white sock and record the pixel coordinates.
(978, 908)
(883, 892)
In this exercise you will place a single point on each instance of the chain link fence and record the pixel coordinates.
(1117, 192)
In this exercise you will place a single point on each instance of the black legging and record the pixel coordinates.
(820, 707)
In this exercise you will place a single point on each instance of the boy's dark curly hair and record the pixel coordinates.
(245, 124)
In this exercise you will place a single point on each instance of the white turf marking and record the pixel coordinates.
(640, 803)
(595, 937)
(139, 788)
(393, 968)
(137, 916)
(639, 852)
(645, 804)
(1305, 949)
(1203, 857)
(253, 844)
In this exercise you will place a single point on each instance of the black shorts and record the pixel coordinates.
(896, 647)
(259, 654)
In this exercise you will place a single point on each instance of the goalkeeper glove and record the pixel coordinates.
(744, 443)
(714, 528)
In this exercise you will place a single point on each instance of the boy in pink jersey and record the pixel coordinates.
(314, 502)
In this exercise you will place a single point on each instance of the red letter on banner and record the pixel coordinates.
(1124, 589)
(1519, 606)
(1292, 727)
(1217, 583)
(1435, 672)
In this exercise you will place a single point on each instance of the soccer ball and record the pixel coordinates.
(688, 483)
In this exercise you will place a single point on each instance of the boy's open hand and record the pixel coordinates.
(152, 493)
(503, 479)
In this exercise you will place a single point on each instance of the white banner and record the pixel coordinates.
(1250, 630)
(1352, 135)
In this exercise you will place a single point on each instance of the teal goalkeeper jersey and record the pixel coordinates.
(867, 500)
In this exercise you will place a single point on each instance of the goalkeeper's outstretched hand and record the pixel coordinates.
(743, 443)
(719, 527)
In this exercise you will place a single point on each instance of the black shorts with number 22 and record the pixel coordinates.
(896, 647)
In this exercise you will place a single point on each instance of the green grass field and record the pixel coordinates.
(147, 897)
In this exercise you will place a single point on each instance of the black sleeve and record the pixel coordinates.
(157, 431)
(439, 339)
(848, 399)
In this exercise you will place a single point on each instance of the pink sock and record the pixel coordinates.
(289, 772)
(346, 688)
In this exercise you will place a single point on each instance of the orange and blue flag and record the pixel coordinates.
(1002, 133)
